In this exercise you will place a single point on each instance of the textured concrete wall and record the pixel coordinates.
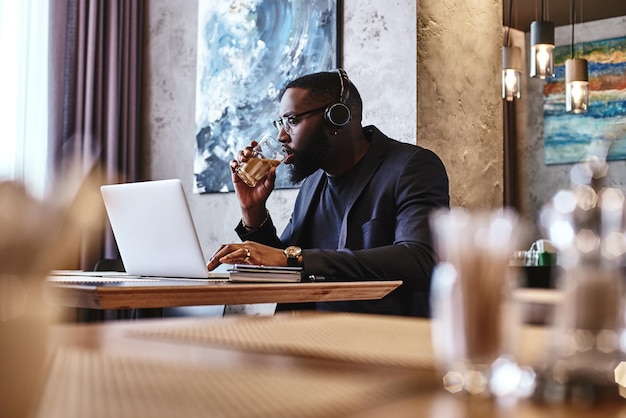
(459, 103)
(379, 56)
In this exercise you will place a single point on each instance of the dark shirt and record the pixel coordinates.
(329, 210)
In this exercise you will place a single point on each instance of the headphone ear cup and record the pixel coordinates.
(337, 115)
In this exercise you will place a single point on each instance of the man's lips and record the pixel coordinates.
(288, 154)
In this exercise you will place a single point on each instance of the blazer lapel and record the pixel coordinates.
(308, 195)
(371, 161)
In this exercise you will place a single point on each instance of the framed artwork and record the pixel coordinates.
(568, 138)
(247, 52)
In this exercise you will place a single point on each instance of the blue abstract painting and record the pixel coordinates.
(568, 138)
(247, 52)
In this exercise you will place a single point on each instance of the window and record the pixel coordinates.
(24, 98)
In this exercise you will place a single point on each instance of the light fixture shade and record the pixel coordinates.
(511, 73)
(542, 49)
(576, 85)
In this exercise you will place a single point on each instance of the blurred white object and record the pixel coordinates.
(543, 246)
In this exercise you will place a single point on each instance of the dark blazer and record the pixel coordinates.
(385, 232)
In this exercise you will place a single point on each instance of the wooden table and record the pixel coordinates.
(162, 293)
(243, 366)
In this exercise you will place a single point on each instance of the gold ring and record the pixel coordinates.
(247, 257)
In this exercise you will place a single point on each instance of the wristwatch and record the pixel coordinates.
(292, 253)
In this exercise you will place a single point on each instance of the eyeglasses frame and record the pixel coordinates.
(285, 122)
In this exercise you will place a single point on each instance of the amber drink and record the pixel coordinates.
(266, 154)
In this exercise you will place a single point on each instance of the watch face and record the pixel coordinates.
(293, 251)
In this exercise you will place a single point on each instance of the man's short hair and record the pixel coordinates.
(326, 87)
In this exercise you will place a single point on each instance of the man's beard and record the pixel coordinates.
(311, 157)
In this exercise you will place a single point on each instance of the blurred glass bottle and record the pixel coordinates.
(474, 327)
(586, 224)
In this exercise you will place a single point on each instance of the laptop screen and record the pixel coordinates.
(154, 230)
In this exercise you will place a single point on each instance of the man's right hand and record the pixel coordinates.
(252, 199)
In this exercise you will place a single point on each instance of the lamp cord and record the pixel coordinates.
(573, 23)
(508, 27)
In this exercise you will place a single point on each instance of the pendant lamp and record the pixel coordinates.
(511, 66)
(576, 78)
(511, 72)
(542, 47)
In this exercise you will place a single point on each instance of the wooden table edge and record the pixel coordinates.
(129, 297)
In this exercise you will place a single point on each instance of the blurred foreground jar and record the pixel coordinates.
(24, 316)
(474, 324)
(35, 235)
(24, 323)
(586, 224)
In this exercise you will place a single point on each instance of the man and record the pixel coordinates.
(362, 211)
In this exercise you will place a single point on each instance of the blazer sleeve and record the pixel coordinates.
(264, 235)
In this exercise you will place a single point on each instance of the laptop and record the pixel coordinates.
(154, 230)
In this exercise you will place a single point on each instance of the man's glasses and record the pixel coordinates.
(288, 123)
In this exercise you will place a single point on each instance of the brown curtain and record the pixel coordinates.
(95, 94)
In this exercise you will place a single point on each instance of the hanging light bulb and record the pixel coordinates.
(511, 65)
(511, 73)
(542, 49)
(576, 85)
(576, 78)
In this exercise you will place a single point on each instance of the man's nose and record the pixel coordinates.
(283, 136)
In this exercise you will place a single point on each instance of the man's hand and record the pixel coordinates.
(252, 199)
(247, 252)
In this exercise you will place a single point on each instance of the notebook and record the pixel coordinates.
(256, 273)
(154, 230)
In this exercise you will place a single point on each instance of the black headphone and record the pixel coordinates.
(338, 114)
